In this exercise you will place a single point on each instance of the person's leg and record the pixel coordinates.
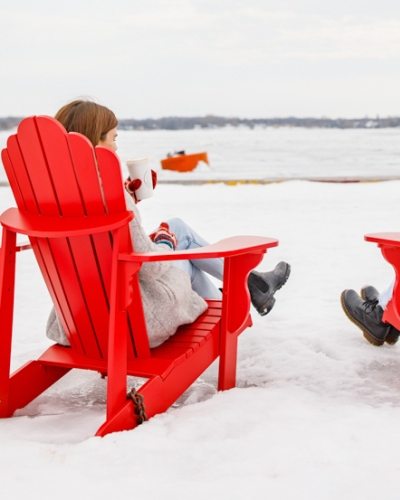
(386, 295)
(262, 286)
(201, 284)
(373, 298)
(189, 239)
(366, 311)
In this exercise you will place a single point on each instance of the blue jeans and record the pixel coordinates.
(199, 268)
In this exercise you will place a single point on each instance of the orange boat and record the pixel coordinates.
(182, 162)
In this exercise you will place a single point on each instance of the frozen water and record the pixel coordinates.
(265, 153)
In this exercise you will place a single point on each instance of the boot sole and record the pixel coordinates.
(391, 340)
(267, 307)
(367, 334)
(269, 304)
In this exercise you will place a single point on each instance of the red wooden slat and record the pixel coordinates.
(42, 226)
(30, 381)
(91, 286)
(199, 326)
(213, 312)
(193, 330)
(7, 284)
(87, 174)
(387, 238)
(63, 356)
(228, 247)
(167, 351)
(36, 166)
(137, 321)
(66, 270)
(50, 274)
(12, 179)
(205, 320)
(195, 346)
(102, 243)
(111, 178)
(190, 337)
(214, 304)
(53, 138)
(22, 186)
(131, 349)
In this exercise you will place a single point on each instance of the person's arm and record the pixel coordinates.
(143, 243)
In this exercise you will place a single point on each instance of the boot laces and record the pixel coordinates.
(370, 305)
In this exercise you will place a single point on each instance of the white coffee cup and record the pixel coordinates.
(139, 168)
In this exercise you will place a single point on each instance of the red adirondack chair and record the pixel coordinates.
(71, 205)
(389, 243)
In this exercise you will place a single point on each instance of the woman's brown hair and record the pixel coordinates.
(88, 118)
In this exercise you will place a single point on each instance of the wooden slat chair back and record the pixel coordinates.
(71, 205)
(55, 174)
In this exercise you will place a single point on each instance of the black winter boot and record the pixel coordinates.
(366, 315)
(371, 296)
(262, 286)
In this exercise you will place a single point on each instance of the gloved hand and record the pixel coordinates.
(133, 185)
(163, 236)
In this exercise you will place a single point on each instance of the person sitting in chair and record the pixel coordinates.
(366, 311)
(173, 292)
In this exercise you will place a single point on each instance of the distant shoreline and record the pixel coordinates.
(211, 121)
(272, 180)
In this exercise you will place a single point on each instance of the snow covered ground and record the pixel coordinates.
(316, 407)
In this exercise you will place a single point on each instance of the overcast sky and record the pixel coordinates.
(247, 58)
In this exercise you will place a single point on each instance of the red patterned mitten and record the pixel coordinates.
(132, 186)
(163, 236)
(154, 178)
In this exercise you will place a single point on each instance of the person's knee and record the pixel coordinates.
(175, 221)
(177, 225)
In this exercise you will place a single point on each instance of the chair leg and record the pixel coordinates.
(159, 394)
(33, 378)
(122, 420)
(30, 381)
(7, 284)
(235, 313)
(125, 419)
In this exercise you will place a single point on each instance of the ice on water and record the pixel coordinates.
(283, 152)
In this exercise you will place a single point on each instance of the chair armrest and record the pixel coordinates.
(42, 226)
(390, 239)
(229, 247)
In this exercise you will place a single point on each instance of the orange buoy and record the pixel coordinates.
(183, 162)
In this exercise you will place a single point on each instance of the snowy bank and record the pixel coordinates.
(314, 413)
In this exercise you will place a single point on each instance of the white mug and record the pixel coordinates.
(139, 168)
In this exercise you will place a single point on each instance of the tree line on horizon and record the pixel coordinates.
(211, 121)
